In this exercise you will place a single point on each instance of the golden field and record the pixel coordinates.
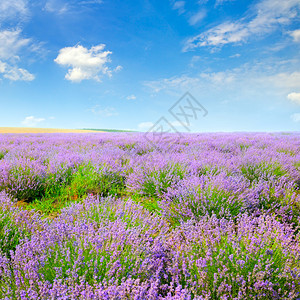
(40, 130)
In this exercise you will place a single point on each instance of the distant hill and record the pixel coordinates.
(107, 130)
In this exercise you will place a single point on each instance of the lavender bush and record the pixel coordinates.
(110, 216)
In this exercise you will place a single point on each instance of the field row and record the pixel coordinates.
(116, 216)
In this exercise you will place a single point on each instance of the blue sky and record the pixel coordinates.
(123, 64)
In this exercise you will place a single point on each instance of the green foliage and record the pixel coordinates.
(3, 153)
(244, 147)
(241, 266)
(149, 203)
(201, 202)
(56, 182)
(212, 170)
(286, 151)
(157, 182)
(108, 130)
(87, 259)
(24, 184)
(91, 180)
(255, 172)
(87, 179)
(49, 207)
(9, 233)
(127, 146)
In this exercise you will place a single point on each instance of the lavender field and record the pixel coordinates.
(113, 216)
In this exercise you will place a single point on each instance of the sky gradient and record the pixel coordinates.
(123, 64)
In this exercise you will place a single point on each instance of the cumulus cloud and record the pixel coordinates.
(296, 117)
(269, 15)
(131, 97)
(85, 63)
(294, 97)
(32, 121)
(295, 35)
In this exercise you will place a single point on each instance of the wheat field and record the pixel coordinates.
(40, 130)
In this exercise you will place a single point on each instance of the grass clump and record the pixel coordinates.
(262, 171)
(76, 185)
(199, 202)
(156, 182)
(10, 234)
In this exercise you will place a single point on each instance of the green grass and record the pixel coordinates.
(109, 130)
(263, 171)
(3, 153)
(200, 202)
(149, 203)
(157, 182)
(87, 179)
(10, 234)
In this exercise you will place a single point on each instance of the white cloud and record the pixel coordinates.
(294, 97)
(131, 97)
(274, 77)
(145, 125)
(11, 43)
(179, 6)
(85, 63)
(196, 18)
(62, 7)
(235, 55)
(91, 2)
(2, 67)
(118, 68)
(14, 73)
(13, 9)
(105, 112)
(269, 15)
(219, 78)
(296, 35)
(186, 83)
(220, 2)
(177, 82)
(32, 121)
(295, 117)
(56, 6)
(286, 80)
(194, 61)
